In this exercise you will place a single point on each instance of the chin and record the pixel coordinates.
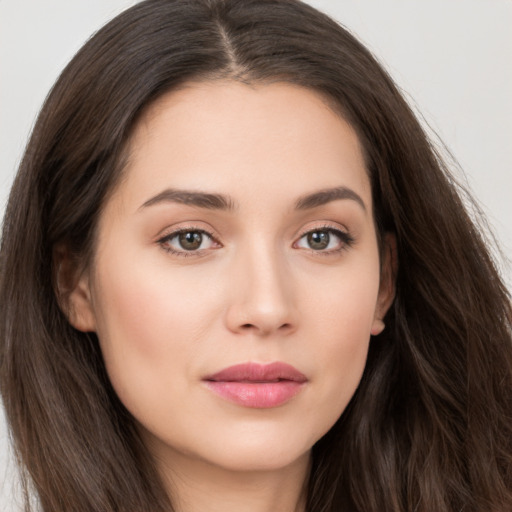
(259, 459)
(264, 447)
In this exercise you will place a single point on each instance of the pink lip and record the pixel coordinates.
(257, 385)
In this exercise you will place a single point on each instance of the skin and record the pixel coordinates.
(257, 291)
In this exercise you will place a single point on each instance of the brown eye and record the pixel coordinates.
(318, 240)
(190, 240)
(325, 240)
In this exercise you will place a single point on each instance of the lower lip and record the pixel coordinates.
(258, 395)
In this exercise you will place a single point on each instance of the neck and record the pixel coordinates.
(197, 486)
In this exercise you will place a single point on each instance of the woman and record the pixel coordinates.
(236, 276)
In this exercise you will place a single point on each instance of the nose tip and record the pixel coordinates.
(262, 299)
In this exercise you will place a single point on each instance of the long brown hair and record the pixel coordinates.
(429, 428)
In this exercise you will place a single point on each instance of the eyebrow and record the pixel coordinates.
(328, 195)
(198, 199)
(211, 201)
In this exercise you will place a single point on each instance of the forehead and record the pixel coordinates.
(219, 134)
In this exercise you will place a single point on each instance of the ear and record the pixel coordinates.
(387, 286)
(73, 291)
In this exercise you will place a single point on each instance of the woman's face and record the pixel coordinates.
(236, 277)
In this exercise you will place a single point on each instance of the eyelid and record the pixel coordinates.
(342, 233)
(170, 233)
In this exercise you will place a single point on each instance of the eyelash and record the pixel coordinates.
(346, 240)
(184, 253)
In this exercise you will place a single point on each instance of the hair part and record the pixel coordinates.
(429, 427)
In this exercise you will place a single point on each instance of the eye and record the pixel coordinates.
(185, 242)
(326, 240)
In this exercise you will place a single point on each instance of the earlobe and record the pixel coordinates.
(73, 290)
(377, 327)
(387, 286)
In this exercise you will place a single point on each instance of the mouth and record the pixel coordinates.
(256, 385)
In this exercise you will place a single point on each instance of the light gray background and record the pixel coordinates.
(453, 57)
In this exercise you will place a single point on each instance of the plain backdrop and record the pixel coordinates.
(452, 59)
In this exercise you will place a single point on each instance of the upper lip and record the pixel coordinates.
(256, 372)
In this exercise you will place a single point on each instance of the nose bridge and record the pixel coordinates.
(262, 298)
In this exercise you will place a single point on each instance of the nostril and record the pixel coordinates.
(266, 329)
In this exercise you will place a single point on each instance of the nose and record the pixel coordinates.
(262, 295)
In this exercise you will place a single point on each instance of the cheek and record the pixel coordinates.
(146, 306)
(149, 323)
(343, 318)
(342, 303)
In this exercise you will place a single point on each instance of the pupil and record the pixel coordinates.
(190, 240)
(318, 240)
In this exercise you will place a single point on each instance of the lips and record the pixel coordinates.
(256, 385)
